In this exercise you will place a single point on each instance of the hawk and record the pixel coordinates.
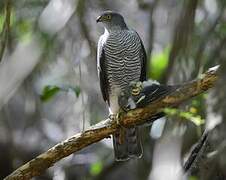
(121, 59)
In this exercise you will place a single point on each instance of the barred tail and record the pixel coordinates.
(127, 144)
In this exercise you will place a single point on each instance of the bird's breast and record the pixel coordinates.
(123, 62)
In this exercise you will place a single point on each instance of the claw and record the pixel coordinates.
(114, 117)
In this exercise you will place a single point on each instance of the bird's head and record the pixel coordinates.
(111, 20)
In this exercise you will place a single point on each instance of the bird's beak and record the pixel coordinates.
(99, 19)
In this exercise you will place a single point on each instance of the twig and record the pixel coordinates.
(195, 152)
(107, 127)
(6, 28)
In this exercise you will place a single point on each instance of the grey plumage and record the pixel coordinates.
(121, 59)
(122, 53)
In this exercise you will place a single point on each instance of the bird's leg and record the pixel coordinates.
(114, 117)
(121, 132)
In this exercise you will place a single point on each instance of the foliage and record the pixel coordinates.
(193, 178)
(2, 18)
(221, 30)
(190, 115)
(96, 168)
(159, 63)
(24, 29)
(50, 90)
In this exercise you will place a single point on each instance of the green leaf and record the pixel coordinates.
(193, 178)
(48, 92)
(96, 168)
(195, 103)
(158, 64)
(1, 21)
(25, 30)
(170, 111)
(197, 120)
(190, 116)
(77, 90)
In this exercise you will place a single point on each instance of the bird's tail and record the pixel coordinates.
(127, 144)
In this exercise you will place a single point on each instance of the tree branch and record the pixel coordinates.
(195, 152)
(107, 127)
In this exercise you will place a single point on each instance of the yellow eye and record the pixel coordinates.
(108, 16)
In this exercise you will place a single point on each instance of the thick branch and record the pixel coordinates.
(107, 127)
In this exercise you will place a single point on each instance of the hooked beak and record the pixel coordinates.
(99, 19)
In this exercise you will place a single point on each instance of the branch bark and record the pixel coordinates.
(107, 127)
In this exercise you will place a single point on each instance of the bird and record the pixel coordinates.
(121, 59)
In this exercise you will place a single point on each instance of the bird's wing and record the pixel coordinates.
(144, 67)
(102, 70)
(143, 57)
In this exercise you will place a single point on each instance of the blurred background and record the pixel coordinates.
(49, 88)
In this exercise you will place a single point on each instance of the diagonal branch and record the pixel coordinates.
(107, 127)
(196, 152)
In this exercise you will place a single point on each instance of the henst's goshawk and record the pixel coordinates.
(121, 59)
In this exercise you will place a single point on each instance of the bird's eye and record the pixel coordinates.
(108, 16)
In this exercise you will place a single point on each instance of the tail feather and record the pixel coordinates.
(127, 144)
(134, 147)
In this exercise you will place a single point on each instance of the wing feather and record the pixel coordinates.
(102, 70)
(143, 58)
(143, 76)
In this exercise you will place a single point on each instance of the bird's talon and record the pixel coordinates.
(112, 116)
(115, 117)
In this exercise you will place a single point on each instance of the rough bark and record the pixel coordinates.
(107, 127)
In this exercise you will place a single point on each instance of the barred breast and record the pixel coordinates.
(122, 60)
